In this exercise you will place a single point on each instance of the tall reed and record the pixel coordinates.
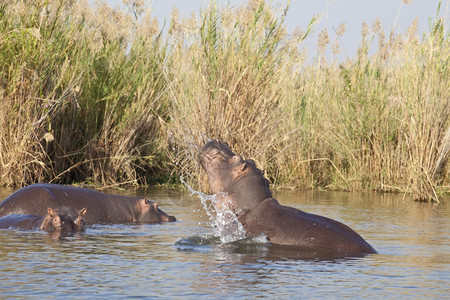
(375, 122)
(231, 85)
(101, 95)
(77, 103)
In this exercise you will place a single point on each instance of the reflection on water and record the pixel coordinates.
(186, 259)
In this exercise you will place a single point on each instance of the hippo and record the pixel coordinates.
(103, 208)
(65, 219)
(241, 187)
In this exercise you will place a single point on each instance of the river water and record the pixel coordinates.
(184, 260)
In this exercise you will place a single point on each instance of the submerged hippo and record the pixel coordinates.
(241, 186)
(102, 208)
(65, 219)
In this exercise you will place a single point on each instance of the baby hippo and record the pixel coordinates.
(63, 219)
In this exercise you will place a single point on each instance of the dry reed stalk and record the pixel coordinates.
(126, 103)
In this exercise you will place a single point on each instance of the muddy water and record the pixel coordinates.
(184, 259)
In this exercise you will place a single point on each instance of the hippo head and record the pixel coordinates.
(71, 219)
(66, 219)
(51, 221)
(228, 173)
(148, 212)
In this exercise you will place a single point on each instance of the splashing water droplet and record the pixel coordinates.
(223, 220)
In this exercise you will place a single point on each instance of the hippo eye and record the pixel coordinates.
(217, 156)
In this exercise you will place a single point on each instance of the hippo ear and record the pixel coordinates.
(241, 170)
(50, 212)
(82, 211)
(244, 167)
(146, 201)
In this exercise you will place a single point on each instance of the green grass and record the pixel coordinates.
(103, 96)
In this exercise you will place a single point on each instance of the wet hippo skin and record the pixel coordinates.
(241, 186)
(65, 219)
(101, 207)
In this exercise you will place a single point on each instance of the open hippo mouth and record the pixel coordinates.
(216, 158)
(218, 161)
(229, 174)
(214, 151)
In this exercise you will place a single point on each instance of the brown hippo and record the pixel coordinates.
(103, 208)
(241, 186)
(66, 219)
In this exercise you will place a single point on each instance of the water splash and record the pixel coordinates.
(224, 222)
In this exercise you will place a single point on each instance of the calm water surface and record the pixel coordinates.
(184, 260)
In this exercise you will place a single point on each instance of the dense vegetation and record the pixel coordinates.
(105, 96)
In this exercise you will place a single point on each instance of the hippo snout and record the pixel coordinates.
(213, 147)
(164, 217)
(167, 218)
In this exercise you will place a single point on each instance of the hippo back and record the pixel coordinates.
(36, 198)
(20, 221)
(102, 208)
